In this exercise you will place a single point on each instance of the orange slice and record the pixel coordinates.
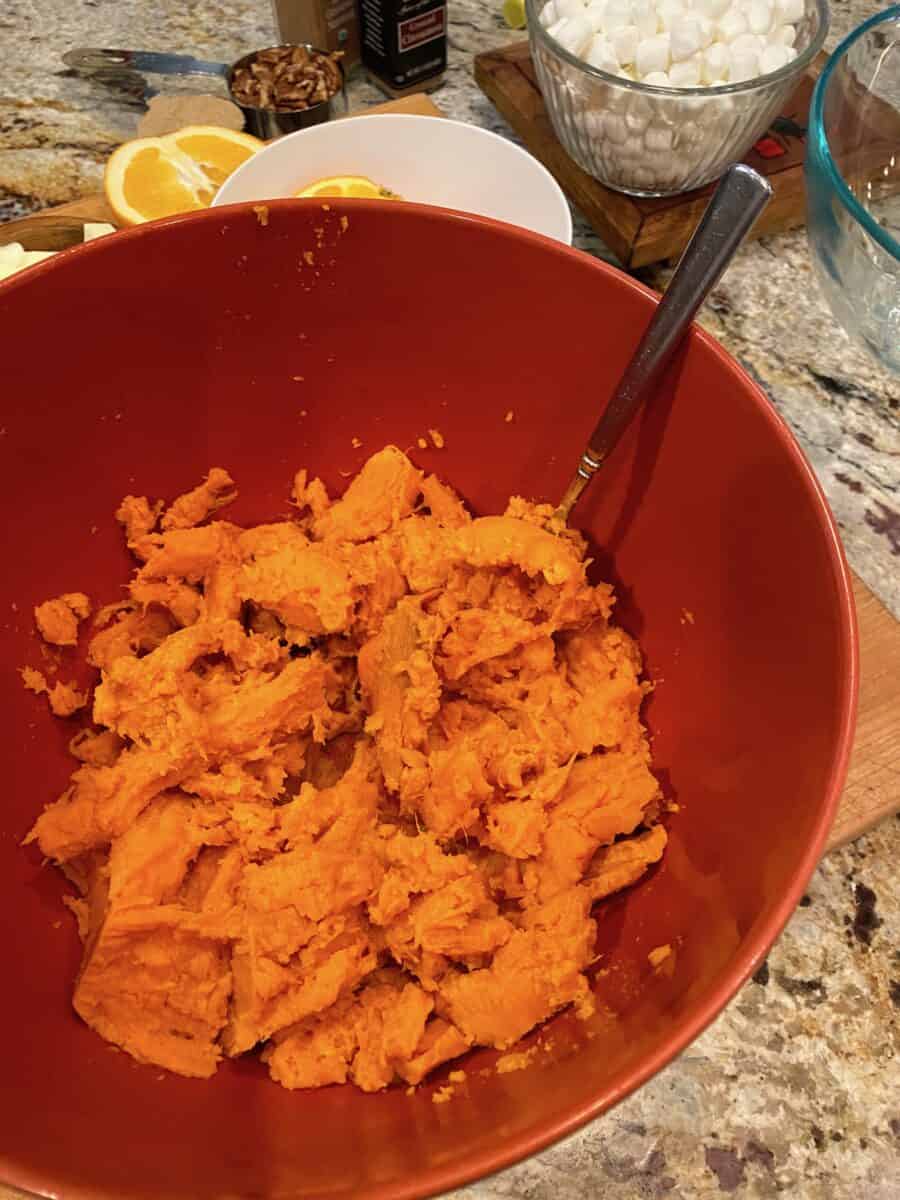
(358, 186)
(156, 177)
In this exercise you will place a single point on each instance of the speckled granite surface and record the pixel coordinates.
(794, 1090)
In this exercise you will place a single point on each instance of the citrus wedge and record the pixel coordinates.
(514, 14)
(358, 186)
(156, 177)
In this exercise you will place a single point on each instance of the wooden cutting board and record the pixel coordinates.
(872, 791)
(643, 230)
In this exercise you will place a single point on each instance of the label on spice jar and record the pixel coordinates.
(404, 42)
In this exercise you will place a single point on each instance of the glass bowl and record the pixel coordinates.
(853, 184)
(660, 141)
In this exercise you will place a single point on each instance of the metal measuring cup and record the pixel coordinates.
(262, 122)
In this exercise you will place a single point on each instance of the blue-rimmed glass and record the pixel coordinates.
(853, 184)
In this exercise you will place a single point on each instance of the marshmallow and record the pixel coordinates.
(594, 13)
(643, 13)
(616, 129)
(602, 55)
(744, 65)
(658, 137)
(759, 16)
(625, 43)
(595, 123)
(549, 15)
(789, 12)
(652, 55)
(656, 79)
(732, 25)
(707, 31)
(716, 62)
(784, 35)
(617, 15)
(773, 58)
(751, 42)
(685, 39)
(712, 9)
(576, 34)
(669, 13)
(569, 8)
(685, 73)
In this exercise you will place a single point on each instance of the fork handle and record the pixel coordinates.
(738, 200)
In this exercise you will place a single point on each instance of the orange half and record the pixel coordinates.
(148, 178)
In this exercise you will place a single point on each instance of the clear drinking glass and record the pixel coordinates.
(853, 184)
(660, 141)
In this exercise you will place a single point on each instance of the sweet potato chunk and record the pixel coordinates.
(57, 620)
(382, 493)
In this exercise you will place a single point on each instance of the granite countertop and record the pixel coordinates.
(791, 1091)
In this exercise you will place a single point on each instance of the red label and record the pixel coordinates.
(418, 30)
(769, 147)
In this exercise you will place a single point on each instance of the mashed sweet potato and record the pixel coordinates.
(353, 783)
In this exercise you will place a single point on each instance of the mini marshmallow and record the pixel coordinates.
(716, 62)
(625, 43)
(617, 15)
(744, 65)
(784, 35)
(594, 123)
(643, 13)
(602, 55)
(773, 58)
(656, 79)
(576, 34)
(759, 16)
(636, 122)
(642, 108)
(685, 39)
(549, 15)
(712, 9)
(732, 25)
(707, 32)
(747, 42)
(594, 13)
(789, 12)
(653, 54)
(685, 73)
(669, 13)
(616, 129)
(569, 8)
(658, 137)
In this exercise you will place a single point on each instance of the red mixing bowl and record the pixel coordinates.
(135, 363)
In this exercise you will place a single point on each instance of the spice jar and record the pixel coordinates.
(404, 43)
(331, 24)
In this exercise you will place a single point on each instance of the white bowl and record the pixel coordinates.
(426, 159)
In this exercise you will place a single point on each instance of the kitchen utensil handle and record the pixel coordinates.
(738, 200)
(90, 58)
